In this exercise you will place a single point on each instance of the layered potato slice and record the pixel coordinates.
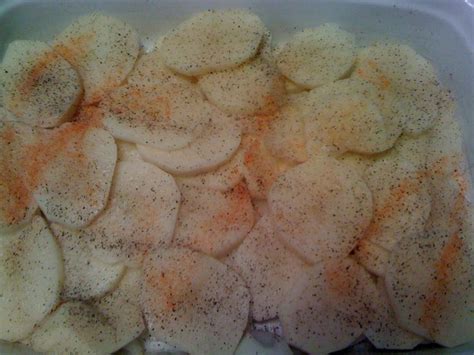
(213, 40)
(190, 299)
(102, 49)
(40, 87)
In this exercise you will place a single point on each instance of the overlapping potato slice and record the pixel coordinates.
(217, 143)
(31, 274)
(320, 208)
(212, 221)
(372, 256)
(244, 90)
(384, 331)
(398, 69)
(40, 87)
(102, 49)
(190, 299)
(429, 281)
(212, 40)
(327, 308)
(140, 215)
(17, 205)
(85, 277)
(317, 56)
(71, 171)
(268, 268)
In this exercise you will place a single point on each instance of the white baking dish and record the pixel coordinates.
(440, 30)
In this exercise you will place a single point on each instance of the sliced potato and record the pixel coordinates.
(216, 145)
(371, 256)
(140, 215)
(320, 208)
(358, 162)
(127, 151)
(17, 205)
(103, 50)
(31, 274)
(317, 56)
(71, 170)
(212, 40)
(190, 299)
(267, 267)
(40, 87)
(244, 90)
(211, 221)
(85, 277)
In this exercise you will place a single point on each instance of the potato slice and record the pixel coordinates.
(40, 87)
(317, 56)
(103, 50)
(320, 208)
(211, 221)
(140, 215)
(326, 310)
(429, 281)
(267, 267)
(384, 331)
(371, 256)
(212, 40)
(216, 145)
(71, 170)
(190, 300)
(31, 274)
(85, 277)
(244, 90)
(127, 151)
(17, 205)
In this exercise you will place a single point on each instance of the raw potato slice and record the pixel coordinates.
(190, 300)
(31, 273)
(71, 170)
(224, 178)
(371, 256)
(17, 205)
(317, 56)
(320, 208)
(429, 282)
(74, 328)
(140, 215)
(345, 115)
(213, 222)
(358, 162)
(327, 308)
(212, 40)
(384, 331)
(40, 87)
(127, 151)
(267, 267)
(103, 50)
(244, 90)
(399, 69)
(216, 145)
(85, 277)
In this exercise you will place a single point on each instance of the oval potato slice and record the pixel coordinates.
(40, 87)
(103, 50)
(317, 56)
(190, 299)
(31, 275)
(320, 208)
(212, 40)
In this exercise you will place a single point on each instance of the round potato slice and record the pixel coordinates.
(217, 144)
(317, 56)
(213, 222)
(212, 40)
(85, 277)
(320, 208)
(40, 87)
(71, 171)
(140, 215)
(103, 50)
(244, 90)
(194, 302)
(31, 273)
(267, 267)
